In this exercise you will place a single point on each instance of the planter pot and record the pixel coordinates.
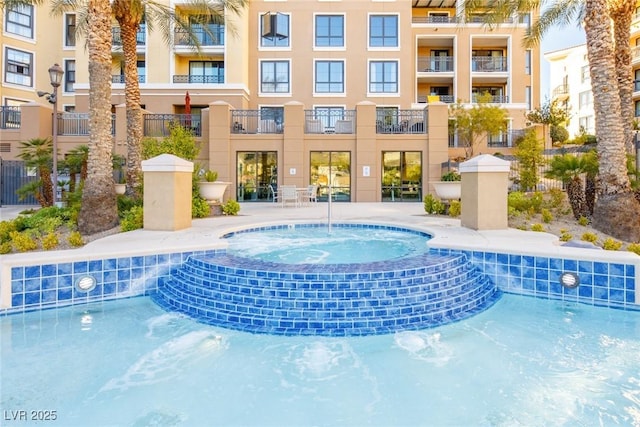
(448, 190)
(121, 188)
(213, 191)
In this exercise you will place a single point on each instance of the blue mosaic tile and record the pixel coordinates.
(570, 265)
(585, 266)
(65, 268)
(542, 262)
(32, 272)
(80, 267)
(17, 273)
(48, 270)
(601, 268)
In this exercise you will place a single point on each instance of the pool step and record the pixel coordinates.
(327, 299)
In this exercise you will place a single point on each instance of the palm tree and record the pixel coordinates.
(36, 154)
(615, 210)
(129, 14)
(569, 169)
(99, 211)
(76, 163)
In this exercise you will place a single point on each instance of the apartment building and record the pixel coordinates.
(570, 84)
(347, 93)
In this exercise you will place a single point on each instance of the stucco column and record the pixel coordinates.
(167, 193)
(485, 182)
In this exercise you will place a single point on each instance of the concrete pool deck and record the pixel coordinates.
(204, 235)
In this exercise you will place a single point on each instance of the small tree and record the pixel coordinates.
(529, 151)
(569, 169)
(37, 153)
(478, 121)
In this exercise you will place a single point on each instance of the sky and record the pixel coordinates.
(556, 39)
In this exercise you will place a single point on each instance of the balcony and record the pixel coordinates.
(493, 99)
(9, 117)
(401, 122)
(437, 19)
(140, 36)
(77, 124)
(198, 79)
(211, 37)
(435, 64)
(159, 125)
(489, 64)
(447, 99)
(561, 92)
(505, 139)
(119, 78)
(255, 121)
(330, 121)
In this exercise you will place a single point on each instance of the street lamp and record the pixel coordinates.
(55, 77)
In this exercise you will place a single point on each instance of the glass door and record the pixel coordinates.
(331, 168)
(256, 172)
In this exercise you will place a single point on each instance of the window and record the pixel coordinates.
(584, 74)
(18, 67)
(329, 31)
(204, 71)
(383, 31)
(329, 77)
(383, 77)
(586, 124)
(69, 75)
(527, 62)
(584, 99)
(274, 30)
(527, 96)
(637, 108)
(19, 20)
(274, 77)
(70, 30)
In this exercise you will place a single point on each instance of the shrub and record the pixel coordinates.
(523, 227)
(231, 208)
(23, 241)
(523, 203)
(133, 219)
(583, 221)
(6, 227)
(200, 208)
(589, 237)
(433, 205)
(451, 176)
(565, 236)
(50, 241)
(125, 203)
(455, 208)
(75, 239)
(634, 247)
(547, 216)
(5, 247)
(557, 197)
(537, 227)
(611, 244)
(558, 133)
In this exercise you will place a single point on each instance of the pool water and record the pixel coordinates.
(316, 244)
(525, 362)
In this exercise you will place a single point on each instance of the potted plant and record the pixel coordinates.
(210, 188)
(449, 187)
(118, 162)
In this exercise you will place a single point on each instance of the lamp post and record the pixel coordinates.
(55, 77)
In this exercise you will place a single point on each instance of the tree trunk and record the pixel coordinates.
(623, 11)
(575, 194)
(99, 210)
(129, 20)
(616, 210)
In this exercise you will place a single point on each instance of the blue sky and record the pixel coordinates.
(557, 38)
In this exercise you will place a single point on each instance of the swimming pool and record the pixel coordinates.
(524, 362)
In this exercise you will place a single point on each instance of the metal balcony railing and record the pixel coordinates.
(435, 64)
(447, 99)
(505, 139)
(489, 64)
(494, 99)
(198, 79)
(160, 125)
(255, 121)
(9, 117)
(561, 91)
(141, 37)
(330, 121)
(434, 20)
(119, 78)
(77, 124)
(401, 122)
(213, 36)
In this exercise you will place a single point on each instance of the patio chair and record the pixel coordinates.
(273, 192)
(288, 194)
(310, 195)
